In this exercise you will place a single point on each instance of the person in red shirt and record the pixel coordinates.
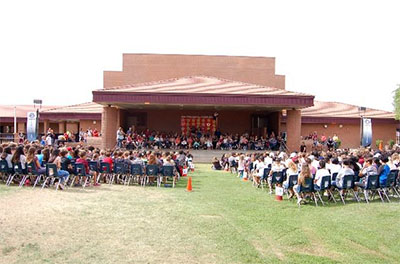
(108, 160)
(95, 132)
(82, 160)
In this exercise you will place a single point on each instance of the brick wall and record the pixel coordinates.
(138, 68)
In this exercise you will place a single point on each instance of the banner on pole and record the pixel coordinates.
(31, 126)
(366, 137)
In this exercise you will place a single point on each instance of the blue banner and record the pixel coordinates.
(366, 137)
(31, 124)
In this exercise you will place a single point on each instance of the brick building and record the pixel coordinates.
(159, 91)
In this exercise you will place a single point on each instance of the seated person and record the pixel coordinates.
(345, 170)
(216, 165)
(304, 174)
(82, 160)
(322, 171)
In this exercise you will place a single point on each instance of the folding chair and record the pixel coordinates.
(276, 178)
(372, 186)
(18, 172)
(152, 171)
(333, 179)
(308, 187)
(80, 172)
(168, 171)
(390, 184)
(137, 172)
(292, 181)
(5, 171)
(32, 172)
(51, 174)
(347, 185)
(325, 186)
(104, 171)
(119, 171)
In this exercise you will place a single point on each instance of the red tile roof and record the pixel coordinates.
(342, 110)
(21, 110)
(202, 85)
(85, 108)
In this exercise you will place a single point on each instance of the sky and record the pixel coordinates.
(344, 51)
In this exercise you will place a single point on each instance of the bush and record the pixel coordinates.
(378, 142)
(391, 143)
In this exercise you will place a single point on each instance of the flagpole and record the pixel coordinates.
(15, 122)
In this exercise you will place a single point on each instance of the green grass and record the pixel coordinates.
(224, 220)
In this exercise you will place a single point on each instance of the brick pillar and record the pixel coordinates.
(109, 126)
(21, 127)
(293, 130)
(45, 126)
(61, 127)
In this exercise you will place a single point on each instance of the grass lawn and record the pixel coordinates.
(223, 220)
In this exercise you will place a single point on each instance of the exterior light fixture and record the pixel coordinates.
(325, 126)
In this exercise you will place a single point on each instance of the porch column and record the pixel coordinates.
(293, 130)
(61, 127)
(109, 126)
(45, 126)
(21, 127)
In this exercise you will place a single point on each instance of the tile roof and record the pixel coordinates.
(85, 108)
(21, 110)
(202, 85)
(342, 110)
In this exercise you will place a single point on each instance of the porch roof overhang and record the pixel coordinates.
(202, 91)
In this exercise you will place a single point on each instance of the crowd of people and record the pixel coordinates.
(18, 157)
(196, 139)
(361, 163)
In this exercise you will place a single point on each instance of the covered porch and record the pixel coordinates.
(228, 106)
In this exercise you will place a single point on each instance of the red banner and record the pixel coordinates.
(206, 124)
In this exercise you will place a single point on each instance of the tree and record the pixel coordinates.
(396, 102)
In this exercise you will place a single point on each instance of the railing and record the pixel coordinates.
(6, 137)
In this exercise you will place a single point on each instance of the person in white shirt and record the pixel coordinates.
(335, 166)
(276, 167)
(258, 171)
(346, 170)
(241, 166)
(314, 162)
(268, 160)
(321, 172)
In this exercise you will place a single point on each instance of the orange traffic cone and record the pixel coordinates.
(189, 185)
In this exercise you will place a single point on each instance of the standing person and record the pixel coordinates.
(120, 137)
(241, 166)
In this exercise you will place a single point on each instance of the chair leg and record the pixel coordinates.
(10, 178)
(320, 198)
(331, 195)
(381, 196)
(37, 180)
(315, 199)
(44, 183)
(342, 197)
(23, 181)
(366, 196)
(355, 195)
(386, 194)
